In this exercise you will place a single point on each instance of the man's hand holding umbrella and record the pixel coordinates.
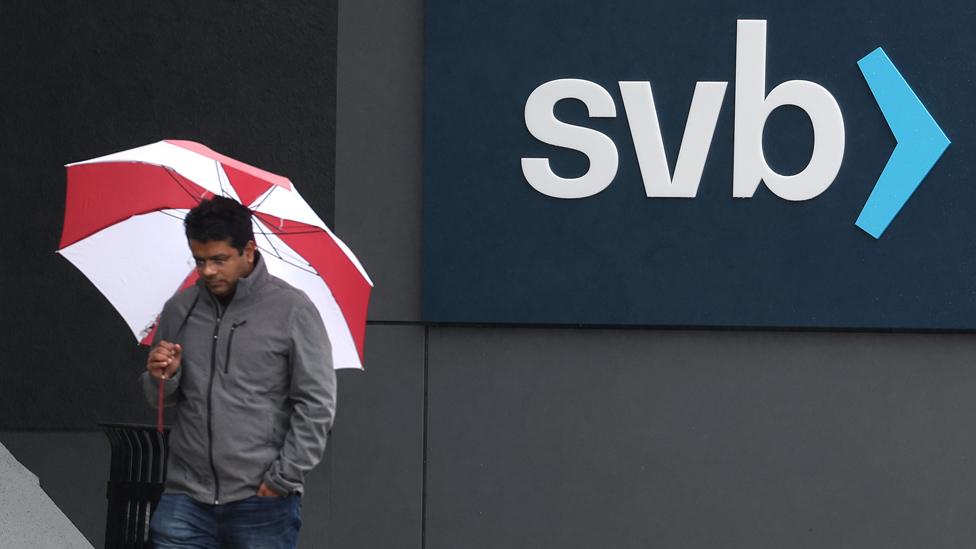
(164, 360)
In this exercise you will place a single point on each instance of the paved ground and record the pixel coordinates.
(28, 517)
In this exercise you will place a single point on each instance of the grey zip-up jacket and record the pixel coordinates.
(255, 395)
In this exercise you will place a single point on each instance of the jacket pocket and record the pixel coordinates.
(230, 341)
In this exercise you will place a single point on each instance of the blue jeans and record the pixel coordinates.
(253, 523)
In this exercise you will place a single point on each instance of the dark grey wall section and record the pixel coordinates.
(379, 147)
(253, 80)
(73, 469)
(317, 504)
(378, 437)
(377, 444)
(635, 439)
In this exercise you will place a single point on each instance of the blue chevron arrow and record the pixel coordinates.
(921, 143)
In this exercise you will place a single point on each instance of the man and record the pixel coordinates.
(245, 359)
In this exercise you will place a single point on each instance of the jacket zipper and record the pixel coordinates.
(230, 339)
(213, 368)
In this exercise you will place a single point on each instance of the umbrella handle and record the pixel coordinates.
(159, 409)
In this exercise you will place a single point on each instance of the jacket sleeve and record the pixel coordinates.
(150, 386)
(313, 396)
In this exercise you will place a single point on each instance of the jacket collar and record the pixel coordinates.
(259, 275)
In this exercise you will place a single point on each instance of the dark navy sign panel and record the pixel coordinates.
(498, 251)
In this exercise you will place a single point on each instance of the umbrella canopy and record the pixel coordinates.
(123, 228)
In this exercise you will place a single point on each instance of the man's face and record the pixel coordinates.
(220, 265)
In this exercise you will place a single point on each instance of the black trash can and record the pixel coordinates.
(136, 477)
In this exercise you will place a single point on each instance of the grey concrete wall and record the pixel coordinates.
(377, 444)
(72, 468)
(379, 148)
(28, 517)
(379, 435)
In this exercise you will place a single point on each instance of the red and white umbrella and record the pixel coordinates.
(123, 228)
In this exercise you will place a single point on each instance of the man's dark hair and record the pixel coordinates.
(220, 218)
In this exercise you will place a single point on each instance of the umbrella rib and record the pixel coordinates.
(168, 214)
(275, 248)
(313, 231)
(258, 205)
(293, 257)
(277, 253)
(293, 264)
(172, 176)
(220, 181)
(309, 269)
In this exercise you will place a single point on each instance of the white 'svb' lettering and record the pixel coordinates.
(752, 108)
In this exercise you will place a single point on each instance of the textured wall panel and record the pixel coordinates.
(379, 150)
(377, 444)
(635, 439)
